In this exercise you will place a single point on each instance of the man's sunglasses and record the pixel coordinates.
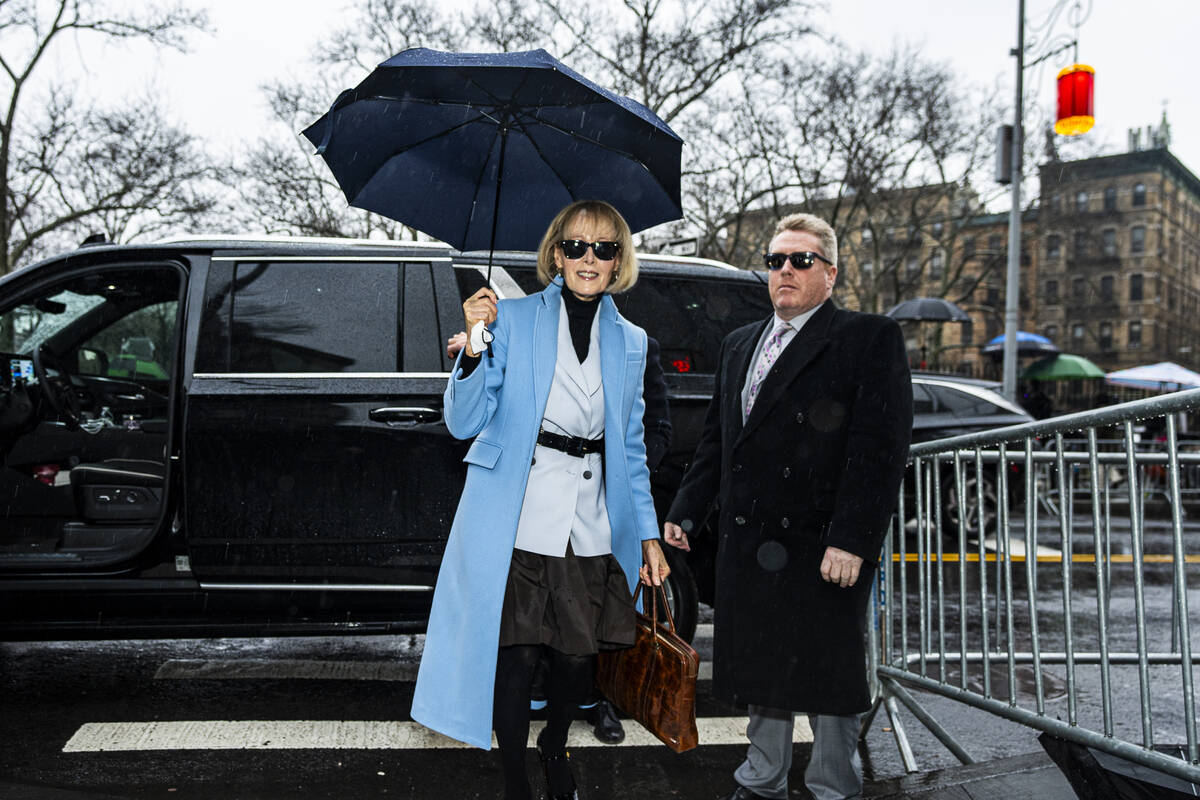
(575, 248)
(802, 260)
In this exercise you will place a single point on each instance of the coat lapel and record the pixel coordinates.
(545, 342)
(800, 352)
(612, 367)
(737, 365)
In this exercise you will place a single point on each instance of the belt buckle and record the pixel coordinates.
(575, 446)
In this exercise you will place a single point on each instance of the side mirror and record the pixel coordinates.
(91, 361)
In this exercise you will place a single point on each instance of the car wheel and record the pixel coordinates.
(682, 595)
(971, 511)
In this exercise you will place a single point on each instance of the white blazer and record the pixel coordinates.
(564, 497)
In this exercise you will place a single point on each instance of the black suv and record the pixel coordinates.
(227, 435)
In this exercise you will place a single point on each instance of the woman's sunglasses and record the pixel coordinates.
(575, 248)
(802, 260)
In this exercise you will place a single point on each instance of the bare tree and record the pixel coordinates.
(881, 147)
(39, 202)
(671, 55)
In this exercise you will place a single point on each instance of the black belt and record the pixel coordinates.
(571, 445)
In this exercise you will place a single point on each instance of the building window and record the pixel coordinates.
(1135, 288)
(1077, 288)
(1109, 239)
(1106, 336)
(912, 265)
(994, 245)
(936, 264)
(1135, 335)
(1080, 244)
(1051, 293)
(1050, 332)
(1110, 198)
(938, 228)
(866, 235)
(1137, 239)
(1081, 203)
(993, 297)
(1055, 204)
(1106, 289)
(1053, 246)
(868, 268)
(968, 332)
(1139, 194)
(1077, 333)
(968, 247)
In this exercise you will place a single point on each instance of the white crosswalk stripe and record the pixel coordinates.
(350, 735)
(341, 734)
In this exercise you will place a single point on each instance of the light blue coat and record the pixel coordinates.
(501, 403)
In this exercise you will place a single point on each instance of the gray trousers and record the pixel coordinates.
(833, 773)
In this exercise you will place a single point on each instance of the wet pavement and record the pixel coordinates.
(321, 717)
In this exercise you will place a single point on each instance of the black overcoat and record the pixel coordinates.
(817, 463)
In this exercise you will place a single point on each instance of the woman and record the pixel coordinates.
(556, 516)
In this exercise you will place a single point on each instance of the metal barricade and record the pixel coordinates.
(1027, 549)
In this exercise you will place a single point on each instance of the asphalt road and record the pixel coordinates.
(328, 718)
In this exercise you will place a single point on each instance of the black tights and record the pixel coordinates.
(567, 685)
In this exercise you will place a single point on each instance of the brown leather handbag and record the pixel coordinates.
(655, 680)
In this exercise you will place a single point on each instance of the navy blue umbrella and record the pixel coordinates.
(481, 150)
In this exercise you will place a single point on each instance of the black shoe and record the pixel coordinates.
(605, 724)
(560, 783)
(742, 793)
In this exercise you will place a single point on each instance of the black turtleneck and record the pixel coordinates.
(580, 314)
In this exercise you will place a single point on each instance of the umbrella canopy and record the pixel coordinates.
(1062, 367)
(1165, 376)
(1028, 344)
(928, 309)
(481, 150)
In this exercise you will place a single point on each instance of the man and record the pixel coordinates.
(597, 710)
(803, 450)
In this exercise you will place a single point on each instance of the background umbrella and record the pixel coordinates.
(481, 150)
(1028, 344)
(928, 309)
(1062, 367)
(1164, 376)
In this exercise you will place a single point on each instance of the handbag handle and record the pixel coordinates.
(662, 592)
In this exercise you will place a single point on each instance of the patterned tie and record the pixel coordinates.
(770, 352)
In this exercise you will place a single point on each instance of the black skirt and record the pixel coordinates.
(578, 605)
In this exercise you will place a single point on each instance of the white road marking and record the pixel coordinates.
(351, 735)
(284, 669)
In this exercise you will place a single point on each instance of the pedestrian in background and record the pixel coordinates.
(556, 516)
(803, 449)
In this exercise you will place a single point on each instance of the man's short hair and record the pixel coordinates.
(814, 225)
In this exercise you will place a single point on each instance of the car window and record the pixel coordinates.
(691, 316)
(28, 325)
(301, 317)
(922, 399)
(136, 346)
(963, 404)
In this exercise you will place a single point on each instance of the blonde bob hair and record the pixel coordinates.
(625, 273)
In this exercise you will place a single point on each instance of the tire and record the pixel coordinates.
(682, 594)
(971, 505)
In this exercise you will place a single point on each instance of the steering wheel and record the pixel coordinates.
(58, 390)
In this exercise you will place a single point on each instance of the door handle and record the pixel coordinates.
(405, 415)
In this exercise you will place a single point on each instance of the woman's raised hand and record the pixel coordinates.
(479, 307)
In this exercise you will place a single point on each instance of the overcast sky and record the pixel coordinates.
(1143, 53)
